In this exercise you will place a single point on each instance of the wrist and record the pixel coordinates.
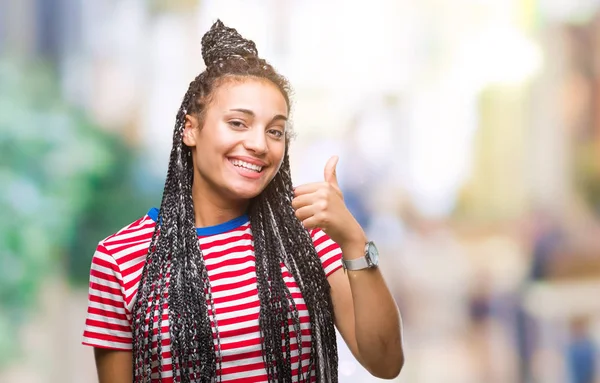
(354, 246)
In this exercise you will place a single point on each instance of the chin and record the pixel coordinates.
(246, 192)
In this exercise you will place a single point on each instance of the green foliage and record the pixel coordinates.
(65, 185)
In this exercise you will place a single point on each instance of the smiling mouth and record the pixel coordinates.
(246, 165)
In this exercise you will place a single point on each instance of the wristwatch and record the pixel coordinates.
(368, 261)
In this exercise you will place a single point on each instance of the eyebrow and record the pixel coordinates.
(251, 114)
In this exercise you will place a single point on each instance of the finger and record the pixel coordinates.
(308, 188)
(330, 172)
(304, 200)
(313, 222)
(306, 212)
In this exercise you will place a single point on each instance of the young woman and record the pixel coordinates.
(239, 276)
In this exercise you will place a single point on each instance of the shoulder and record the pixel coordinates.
(130, 239)
(134, 232)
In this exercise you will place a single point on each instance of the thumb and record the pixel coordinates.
(330, 171)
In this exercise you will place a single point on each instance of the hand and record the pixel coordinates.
(321, 205)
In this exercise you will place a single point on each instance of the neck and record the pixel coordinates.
(211, 209)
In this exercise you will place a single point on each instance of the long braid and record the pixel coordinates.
(303, 262)
(175, 264)
(273, 294)
(293, 314)
(175, 274)
(189, 317)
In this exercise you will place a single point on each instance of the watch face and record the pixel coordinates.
(373, 254)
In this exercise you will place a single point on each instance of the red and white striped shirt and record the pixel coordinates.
(229, 256)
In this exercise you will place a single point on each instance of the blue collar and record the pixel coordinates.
(210, 230)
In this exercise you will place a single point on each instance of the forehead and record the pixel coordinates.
(258, 95)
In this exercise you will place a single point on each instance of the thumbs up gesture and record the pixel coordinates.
(321, 205)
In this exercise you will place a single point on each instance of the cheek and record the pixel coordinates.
(204, 160)
(209, 153)
(278, 155)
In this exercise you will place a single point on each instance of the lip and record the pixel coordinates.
(250, 160)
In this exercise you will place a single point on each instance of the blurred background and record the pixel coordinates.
(469, 137)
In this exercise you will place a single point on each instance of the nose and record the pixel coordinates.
(256, 141)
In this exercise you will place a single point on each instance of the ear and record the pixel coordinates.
(190, 130)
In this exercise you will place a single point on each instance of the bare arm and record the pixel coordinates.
(113, 366)
(367, 317)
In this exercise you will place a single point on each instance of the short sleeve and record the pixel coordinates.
(329, 252)
(107, 324)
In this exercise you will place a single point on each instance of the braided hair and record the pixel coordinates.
(175, 274)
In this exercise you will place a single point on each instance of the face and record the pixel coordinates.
(240, 146)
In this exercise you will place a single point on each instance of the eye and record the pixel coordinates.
(237, 124)
(276, 133)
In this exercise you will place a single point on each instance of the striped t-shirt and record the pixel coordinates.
(229, 256)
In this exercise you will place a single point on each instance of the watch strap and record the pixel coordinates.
(356, 264)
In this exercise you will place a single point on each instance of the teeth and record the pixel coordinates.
(246, 165)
